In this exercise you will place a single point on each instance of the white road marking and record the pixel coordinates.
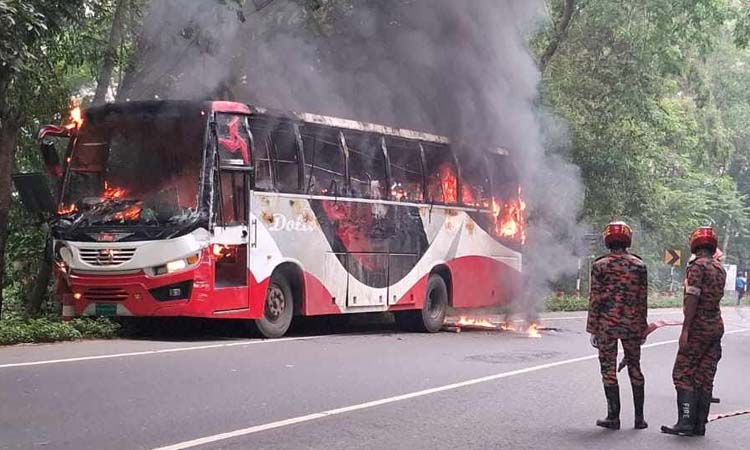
(160, 351)
(384, 401)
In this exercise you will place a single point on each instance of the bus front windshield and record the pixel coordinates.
(135, 166)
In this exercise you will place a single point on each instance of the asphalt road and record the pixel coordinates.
(369, 388)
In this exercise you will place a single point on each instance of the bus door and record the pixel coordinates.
(233, 180)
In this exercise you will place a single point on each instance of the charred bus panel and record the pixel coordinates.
(222, 210)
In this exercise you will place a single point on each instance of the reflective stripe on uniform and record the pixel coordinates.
(692, 290)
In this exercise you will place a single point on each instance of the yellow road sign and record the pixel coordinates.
(673, 257)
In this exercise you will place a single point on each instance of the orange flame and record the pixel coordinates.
(474, 322)
(131, 213)
(112, 192)
(444, 187)
(510, 218)
(64, 210)
(533, 331)
(76, 117)
(398, 193)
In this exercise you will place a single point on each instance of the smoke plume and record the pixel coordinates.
(458, 68)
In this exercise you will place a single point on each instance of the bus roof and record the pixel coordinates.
(364, 127)
(237, 107)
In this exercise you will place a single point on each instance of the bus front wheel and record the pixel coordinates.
(278, 309)
(431, 318)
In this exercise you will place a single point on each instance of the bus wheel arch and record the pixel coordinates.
(431, 317)
(444, 272)
(296, 278)
(282, 301)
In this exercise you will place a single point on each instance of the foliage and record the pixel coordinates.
(655, 95)
(46, 330)
(571, 303)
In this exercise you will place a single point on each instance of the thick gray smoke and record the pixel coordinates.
(459, 68)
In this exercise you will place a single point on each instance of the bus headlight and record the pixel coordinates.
(177, 265)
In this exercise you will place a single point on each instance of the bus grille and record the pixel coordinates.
(106, 257)
(106, 294)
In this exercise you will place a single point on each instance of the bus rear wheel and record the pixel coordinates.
(278, 309)
(431, 318)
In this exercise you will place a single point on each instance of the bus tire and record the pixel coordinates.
(278, 309)
(432, 315)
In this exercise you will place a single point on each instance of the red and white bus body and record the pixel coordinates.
(332, 205)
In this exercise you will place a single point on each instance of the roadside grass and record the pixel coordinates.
(17, 331)
(568, 303)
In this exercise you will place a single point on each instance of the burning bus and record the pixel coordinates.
(230, 211)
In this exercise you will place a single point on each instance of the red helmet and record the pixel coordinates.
(704, 237)
(618, 233)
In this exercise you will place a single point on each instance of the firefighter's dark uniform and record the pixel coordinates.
(695, 365)
(618, 306)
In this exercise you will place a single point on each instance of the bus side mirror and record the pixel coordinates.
(51, 159)
(34, 192)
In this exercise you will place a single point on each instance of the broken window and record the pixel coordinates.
(233, 148)
(261, 128)
(475, 179)
(367, 173)
(149, 154)
(324, 161)
(406, 170)
(442, 179)
(285, 155)
(234, 139)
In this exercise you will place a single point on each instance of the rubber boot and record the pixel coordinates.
(638, 399)
(703, 407)
(613, 408)
(685, 414)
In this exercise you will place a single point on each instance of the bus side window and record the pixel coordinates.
(367, 174)
(442, 179)
(406, 170)
(475, 179)
(261, 154)
(324, 161)
(285, 158)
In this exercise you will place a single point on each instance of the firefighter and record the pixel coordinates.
(700, 341)
(617, 311)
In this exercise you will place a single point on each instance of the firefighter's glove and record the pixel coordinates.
(594, 341)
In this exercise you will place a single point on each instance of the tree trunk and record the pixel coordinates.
(41, 283)
(562, 29)
(132, 68)
(8, 134)
(104, 77)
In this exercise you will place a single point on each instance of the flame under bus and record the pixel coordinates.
(224, 210)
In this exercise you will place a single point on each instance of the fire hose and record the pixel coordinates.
(653, 326)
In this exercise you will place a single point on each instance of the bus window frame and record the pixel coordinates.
(339, 191)
(447, 148)
(386, 161)
(417, 147)
(489, 173)
(245, 172)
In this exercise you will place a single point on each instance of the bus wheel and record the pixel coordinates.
(278, 309)
(435, 305)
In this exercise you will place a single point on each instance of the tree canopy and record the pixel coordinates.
(654, 95)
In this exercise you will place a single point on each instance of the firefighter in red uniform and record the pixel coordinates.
(700, 341)
(617, 311)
